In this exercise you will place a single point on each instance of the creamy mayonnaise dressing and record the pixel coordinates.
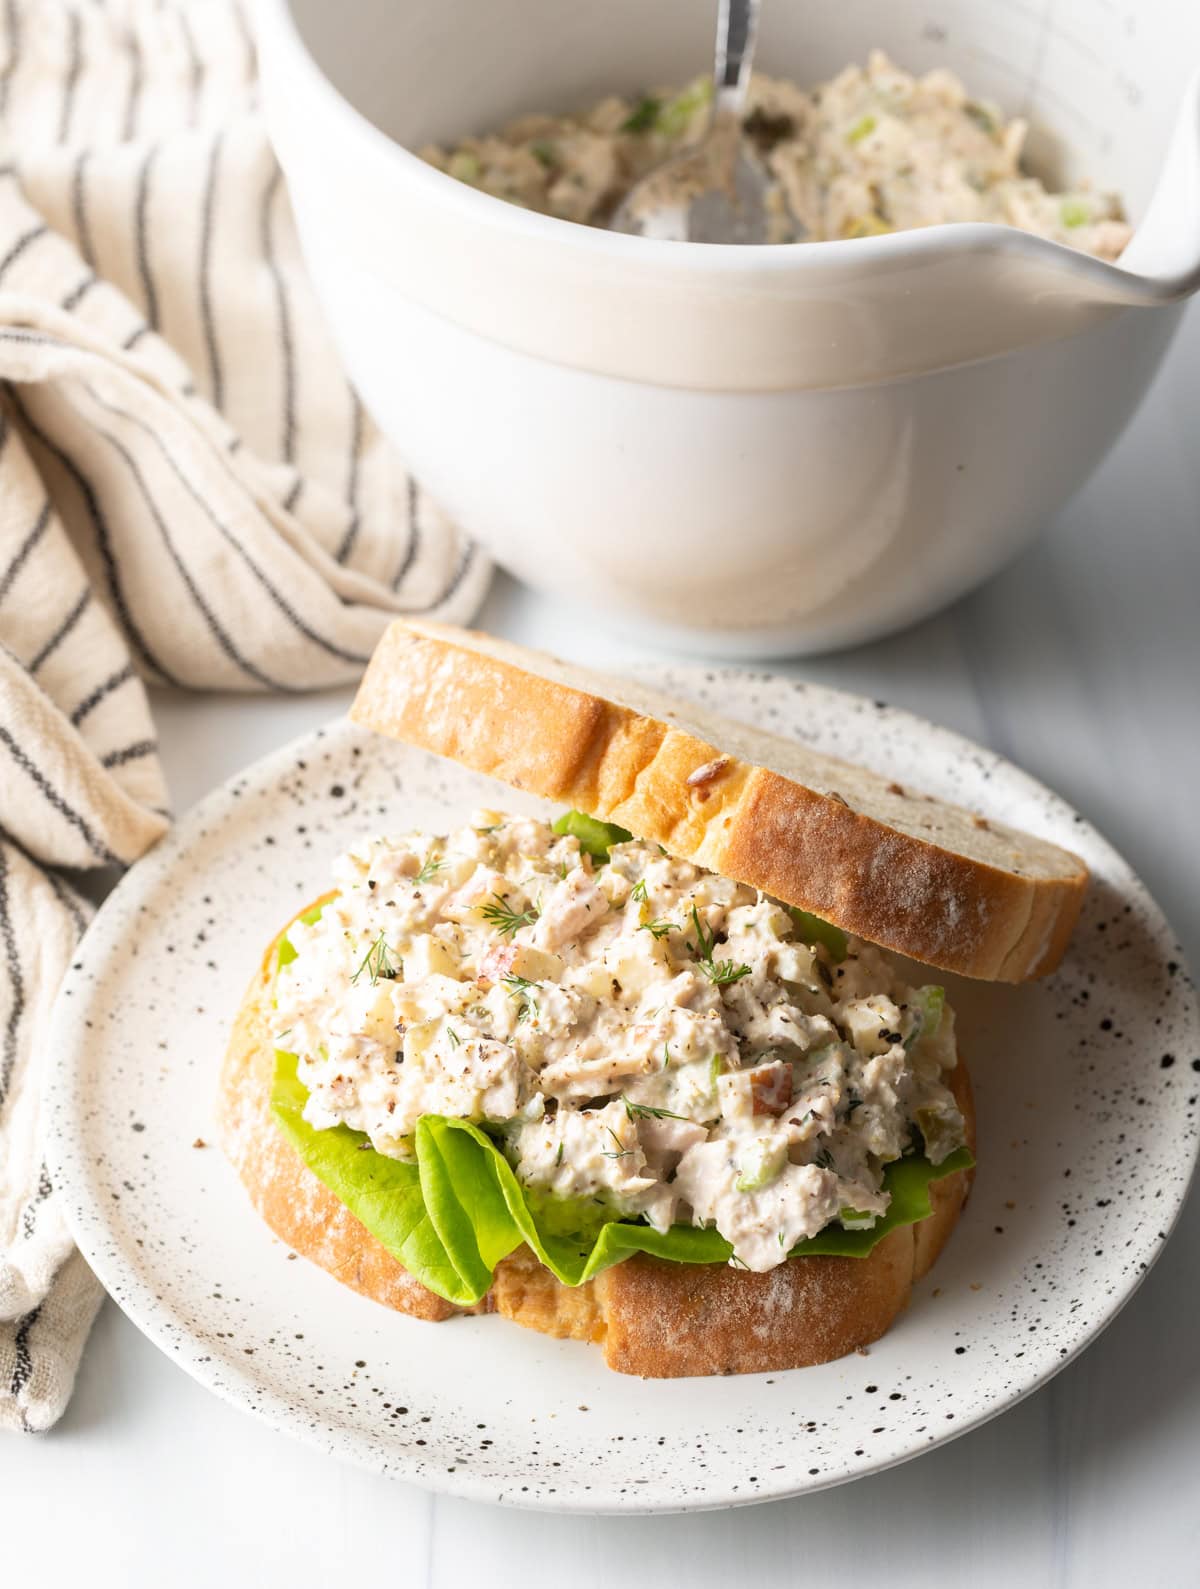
(874, 150)
(649, 1035)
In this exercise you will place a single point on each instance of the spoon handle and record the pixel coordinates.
(737, 29)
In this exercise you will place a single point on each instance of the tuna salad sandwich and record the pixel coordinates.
(641, 1072)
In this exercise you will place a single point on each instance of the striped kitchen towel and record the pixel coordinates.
(190, 494)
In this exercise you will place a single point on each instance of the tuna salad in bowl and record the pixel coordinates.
(873, 151)
(747, 451)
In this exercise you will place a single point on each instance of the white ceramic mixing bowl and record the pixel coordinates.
(750, 451)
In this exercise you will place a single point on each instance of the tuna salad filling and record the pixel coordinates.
(631, 1030)
(874, 150)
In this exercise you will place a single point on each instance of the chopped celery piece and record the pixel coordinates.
(862, 128)
(1075, 212)
(596, 838)
(981, 116)
(675, 116)
(940, 1132)
(286, 953)
(868, 226)
(464, 166)
(856, 1219)
(927, 1005)
(643, 116)
(761, 1164)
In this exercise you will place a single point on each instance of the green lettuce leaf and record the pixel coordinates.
(815, 929)
(908, 1181)
(286, 953)
(456, 1209)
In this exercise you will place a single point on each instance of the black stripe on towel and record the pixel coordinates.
(74, 66)
(215, 627)
(134, 752)
(103, 541)
(26, 240)
(202, 502)
(22, 1361)
(16, 981)
(63, 630)
(67, 900)
(352, 529)
(41, 1193)
(79, 215)
(76, 294)
(27, 545)
(141, 237)
(286, 347)
(414, 537)
(459, 574)
(216, 374)
(102, 691)
(68, 812)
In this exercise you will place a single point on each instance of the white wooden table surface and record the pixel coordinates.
(1082, 663)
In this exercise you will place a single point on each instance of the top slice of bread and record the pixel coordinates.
(914, 874)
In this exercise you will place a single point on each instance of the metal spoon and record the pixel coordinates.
(713, 191)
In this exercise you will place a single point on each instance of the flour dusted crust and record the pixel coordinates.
(924, 878)
(652, 1318)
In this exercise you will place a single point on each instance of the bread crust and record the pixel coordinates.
(654, 1319)
(531, 722)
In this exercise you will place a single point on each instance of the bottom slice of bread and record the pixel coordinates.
(656, 1319)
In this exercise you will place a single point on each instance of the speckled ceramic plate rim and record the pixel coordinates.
(244, 1388)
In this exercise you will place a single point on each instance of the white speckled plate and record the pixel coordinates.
(1087, 1095)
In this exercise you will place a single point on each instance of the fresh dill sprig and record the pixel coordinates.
(521, 989)
(638, 891)
(721, 973)
(645, 1111)
(430, 867)
(377, 962)
(622, 1151)
(658, 929)
(455, 1039)
(498, 913)
(724, 972)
